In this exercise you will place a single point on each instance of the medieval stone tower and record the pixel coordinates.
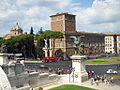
(63, 22)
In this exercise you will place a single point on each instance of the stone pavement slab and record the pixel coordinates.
(65, 80)
(101, 86)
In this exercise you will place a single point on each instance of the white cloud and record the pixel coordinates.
(29, 13)
(103, 16)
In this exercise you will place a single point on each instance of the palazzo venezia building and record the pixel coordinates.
(66, 23)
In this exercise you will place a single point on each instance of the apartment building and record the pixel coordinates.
(112, 43)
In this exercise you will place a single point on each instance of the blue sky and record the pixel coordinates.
(91, 15)
(84, 3)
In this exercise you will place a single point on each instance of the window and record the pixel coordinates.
(118, 38)
(110, 44)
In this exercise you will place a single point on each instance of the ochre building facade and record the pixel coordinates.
(66, 23)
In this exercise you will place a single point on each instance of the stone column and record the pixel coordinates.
(50, 52)
(46, 54)
(4, 59)
(45, 43)
(78, 73)
(50, 42)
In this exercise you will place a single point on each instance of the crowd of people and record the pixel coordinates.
(96, 79)
(58, 71)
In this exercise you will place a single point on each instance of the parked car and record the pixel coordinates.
(103, 55)
(111, 71)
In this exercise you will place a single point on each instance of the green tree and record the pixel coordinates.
(46, 35)
(1, 41)
(50, 34)
(40, 31)
(21, 44)
(31, 31)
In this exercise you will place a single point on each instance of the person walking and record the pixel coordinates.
(111, 81)
(97, 82)
(102, 79)
(105, 80)
(93, 73)
(92, 81)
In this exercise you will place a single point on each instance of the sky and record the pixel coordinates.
(91, 15)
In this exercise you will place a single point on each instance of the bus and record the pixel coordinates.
(50, 59)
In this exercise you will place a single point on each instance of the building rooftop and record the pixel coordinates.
(90, 33)
(62, 13)
(16, 27)
(86, 33)
(111, 33)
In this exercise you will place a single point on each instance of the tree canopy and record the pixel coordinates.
(40, 31)
(31, 30)
(50, 34)
(46, 35)
(21, 44)
(25, 44)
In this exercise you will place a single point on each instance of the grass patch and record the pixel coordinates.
(71, 87)
(107, 60)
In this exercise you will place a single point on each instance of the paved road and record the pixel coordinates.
(60, 64)
(99, 69)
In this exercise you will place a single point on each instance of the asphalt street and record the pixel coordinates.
(101, 69)
(98, 69)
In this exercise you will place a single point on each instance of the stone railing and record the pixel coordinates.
(33, 80)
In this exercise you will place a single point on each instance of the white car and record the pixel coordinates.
(111, 71)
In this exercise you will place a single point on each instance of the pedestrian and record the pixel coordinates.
(93, 73)
(97, 82)
(92, 81)
(102, 79)
(111, 81)
(105, 80)
(108, 81)
(95, 78)
(88, 74)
